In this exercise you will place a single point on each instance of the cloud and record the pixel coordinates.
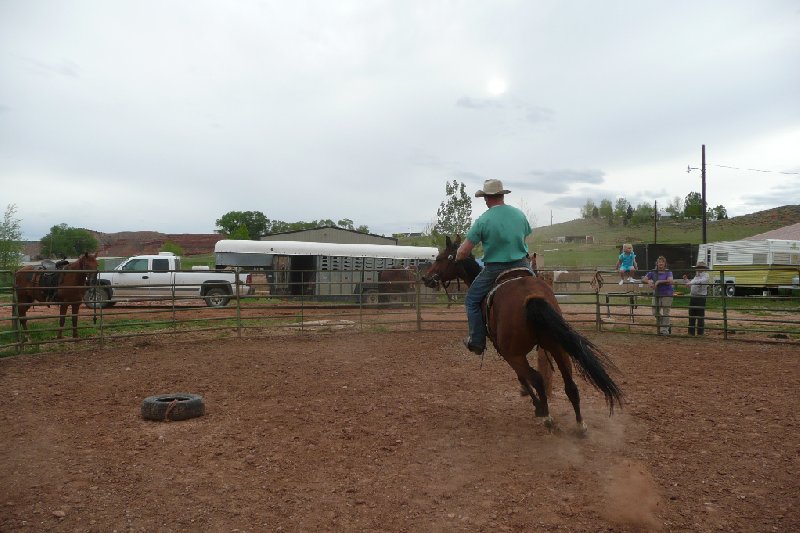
(530, 113)
(539, 114)
(64, 67)
(779, 195)
(478, 103)
(557, 181)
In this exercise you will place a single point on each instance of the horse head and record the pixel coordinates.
(445, 268)
(88, 262)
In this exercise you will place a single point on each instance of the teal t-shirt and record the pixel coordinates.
(502, 230)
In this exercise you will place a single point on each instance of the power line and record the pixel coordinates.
(756, 169)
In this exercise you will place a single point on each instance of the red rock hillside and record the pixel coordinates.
(128, 243)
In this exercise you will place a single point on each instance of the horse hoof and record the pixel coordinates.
(582, 430)
(549, 423)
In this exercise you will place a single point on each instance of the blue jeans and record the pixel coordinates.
(477, 291)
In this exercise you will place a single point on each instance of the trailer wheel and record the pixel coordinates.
(217, 297)
(176, 406)
(730, 290)
(370, 297)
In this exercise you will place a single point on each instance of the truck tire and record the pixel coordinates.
(176, 406)
(97, 298)
(217, 297)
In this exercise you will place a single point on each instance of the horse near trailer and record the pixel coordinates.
(522, 313)
(65, 287)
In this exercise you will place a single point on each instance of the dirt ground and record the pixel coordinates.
(400, 431)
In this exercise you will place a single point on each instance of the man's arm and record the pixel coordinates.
(464, 250)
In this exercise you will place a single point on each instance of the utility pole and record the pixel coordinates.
(705, 206)
(655, 222)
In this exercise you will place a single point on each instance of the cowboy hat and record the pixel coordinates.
(491, 188)
(701, 264)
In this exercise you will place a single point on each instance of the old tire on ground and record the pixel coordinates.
(175, 406)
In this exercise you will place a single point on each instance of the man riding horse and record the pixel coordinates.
(502, 230)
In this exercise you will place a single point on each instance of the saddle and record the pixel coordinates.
(505, 276)
(50, 277)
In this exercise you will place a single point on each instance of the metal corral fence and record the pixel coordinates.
(590, 300)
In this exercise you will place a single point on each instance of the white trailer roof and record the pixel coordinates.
(326, 248)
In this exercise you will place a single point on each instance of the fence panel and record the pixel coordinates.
(585, 299)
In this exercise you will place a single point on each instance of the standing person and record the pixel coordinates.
(698, 290)
(626, 263)
(533, 264)
(660, 280)
(502, 230)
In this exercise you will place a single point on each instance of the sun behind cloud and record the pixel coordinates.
(496, 86)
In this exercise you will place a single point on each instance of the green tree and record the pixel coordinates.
(693, 205)
(362, 229)
(240, 234)
(718, 213)
(256, 222)
(454, 215)
(675, 208)
(595, 212)
(643, 214)
(10, 243)
(621, 208)
(170, 246)
(67, 241)
(588, 209)
(606, 210)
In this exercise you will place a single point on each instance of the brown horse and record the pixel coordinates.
(30, 286)
(523, 313)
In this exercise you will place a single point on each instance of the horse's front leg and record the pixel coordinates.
(22, 316)
(75, 308)
(62, 318)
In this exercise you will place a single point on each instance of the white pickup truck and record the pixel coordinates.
(159, 277)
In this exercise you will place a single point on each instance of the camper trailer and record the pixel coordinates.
(758, 266)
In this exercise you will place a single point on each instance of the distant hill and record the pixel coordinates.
(553, 252)
(128, 243)
(672, 231)
(606, 238)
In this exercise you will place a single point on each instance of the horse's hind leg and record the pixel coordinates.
(545, 367)
(565, 366)
(532, 382)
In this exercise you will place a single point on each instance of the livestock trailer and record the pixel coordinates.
(767, 265)
(328, 271)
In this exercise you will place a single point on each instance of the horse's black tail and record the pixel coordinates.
(591, 362)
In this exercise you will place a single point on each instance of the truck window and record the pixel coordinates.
(136, 265)
(160, 265)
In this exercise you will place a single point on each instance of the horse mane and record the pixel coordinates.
(471, 269)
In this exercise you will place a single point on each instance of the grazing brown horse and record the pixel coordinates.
(523, 313)
(69, 291)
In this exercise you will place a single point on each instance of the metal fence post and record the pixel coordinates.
(418, 300)
(236, 290)
(597, 321)
(724, 304)
(15, 316)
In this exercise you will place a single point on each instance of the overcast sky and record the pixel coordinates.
(165, 115)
